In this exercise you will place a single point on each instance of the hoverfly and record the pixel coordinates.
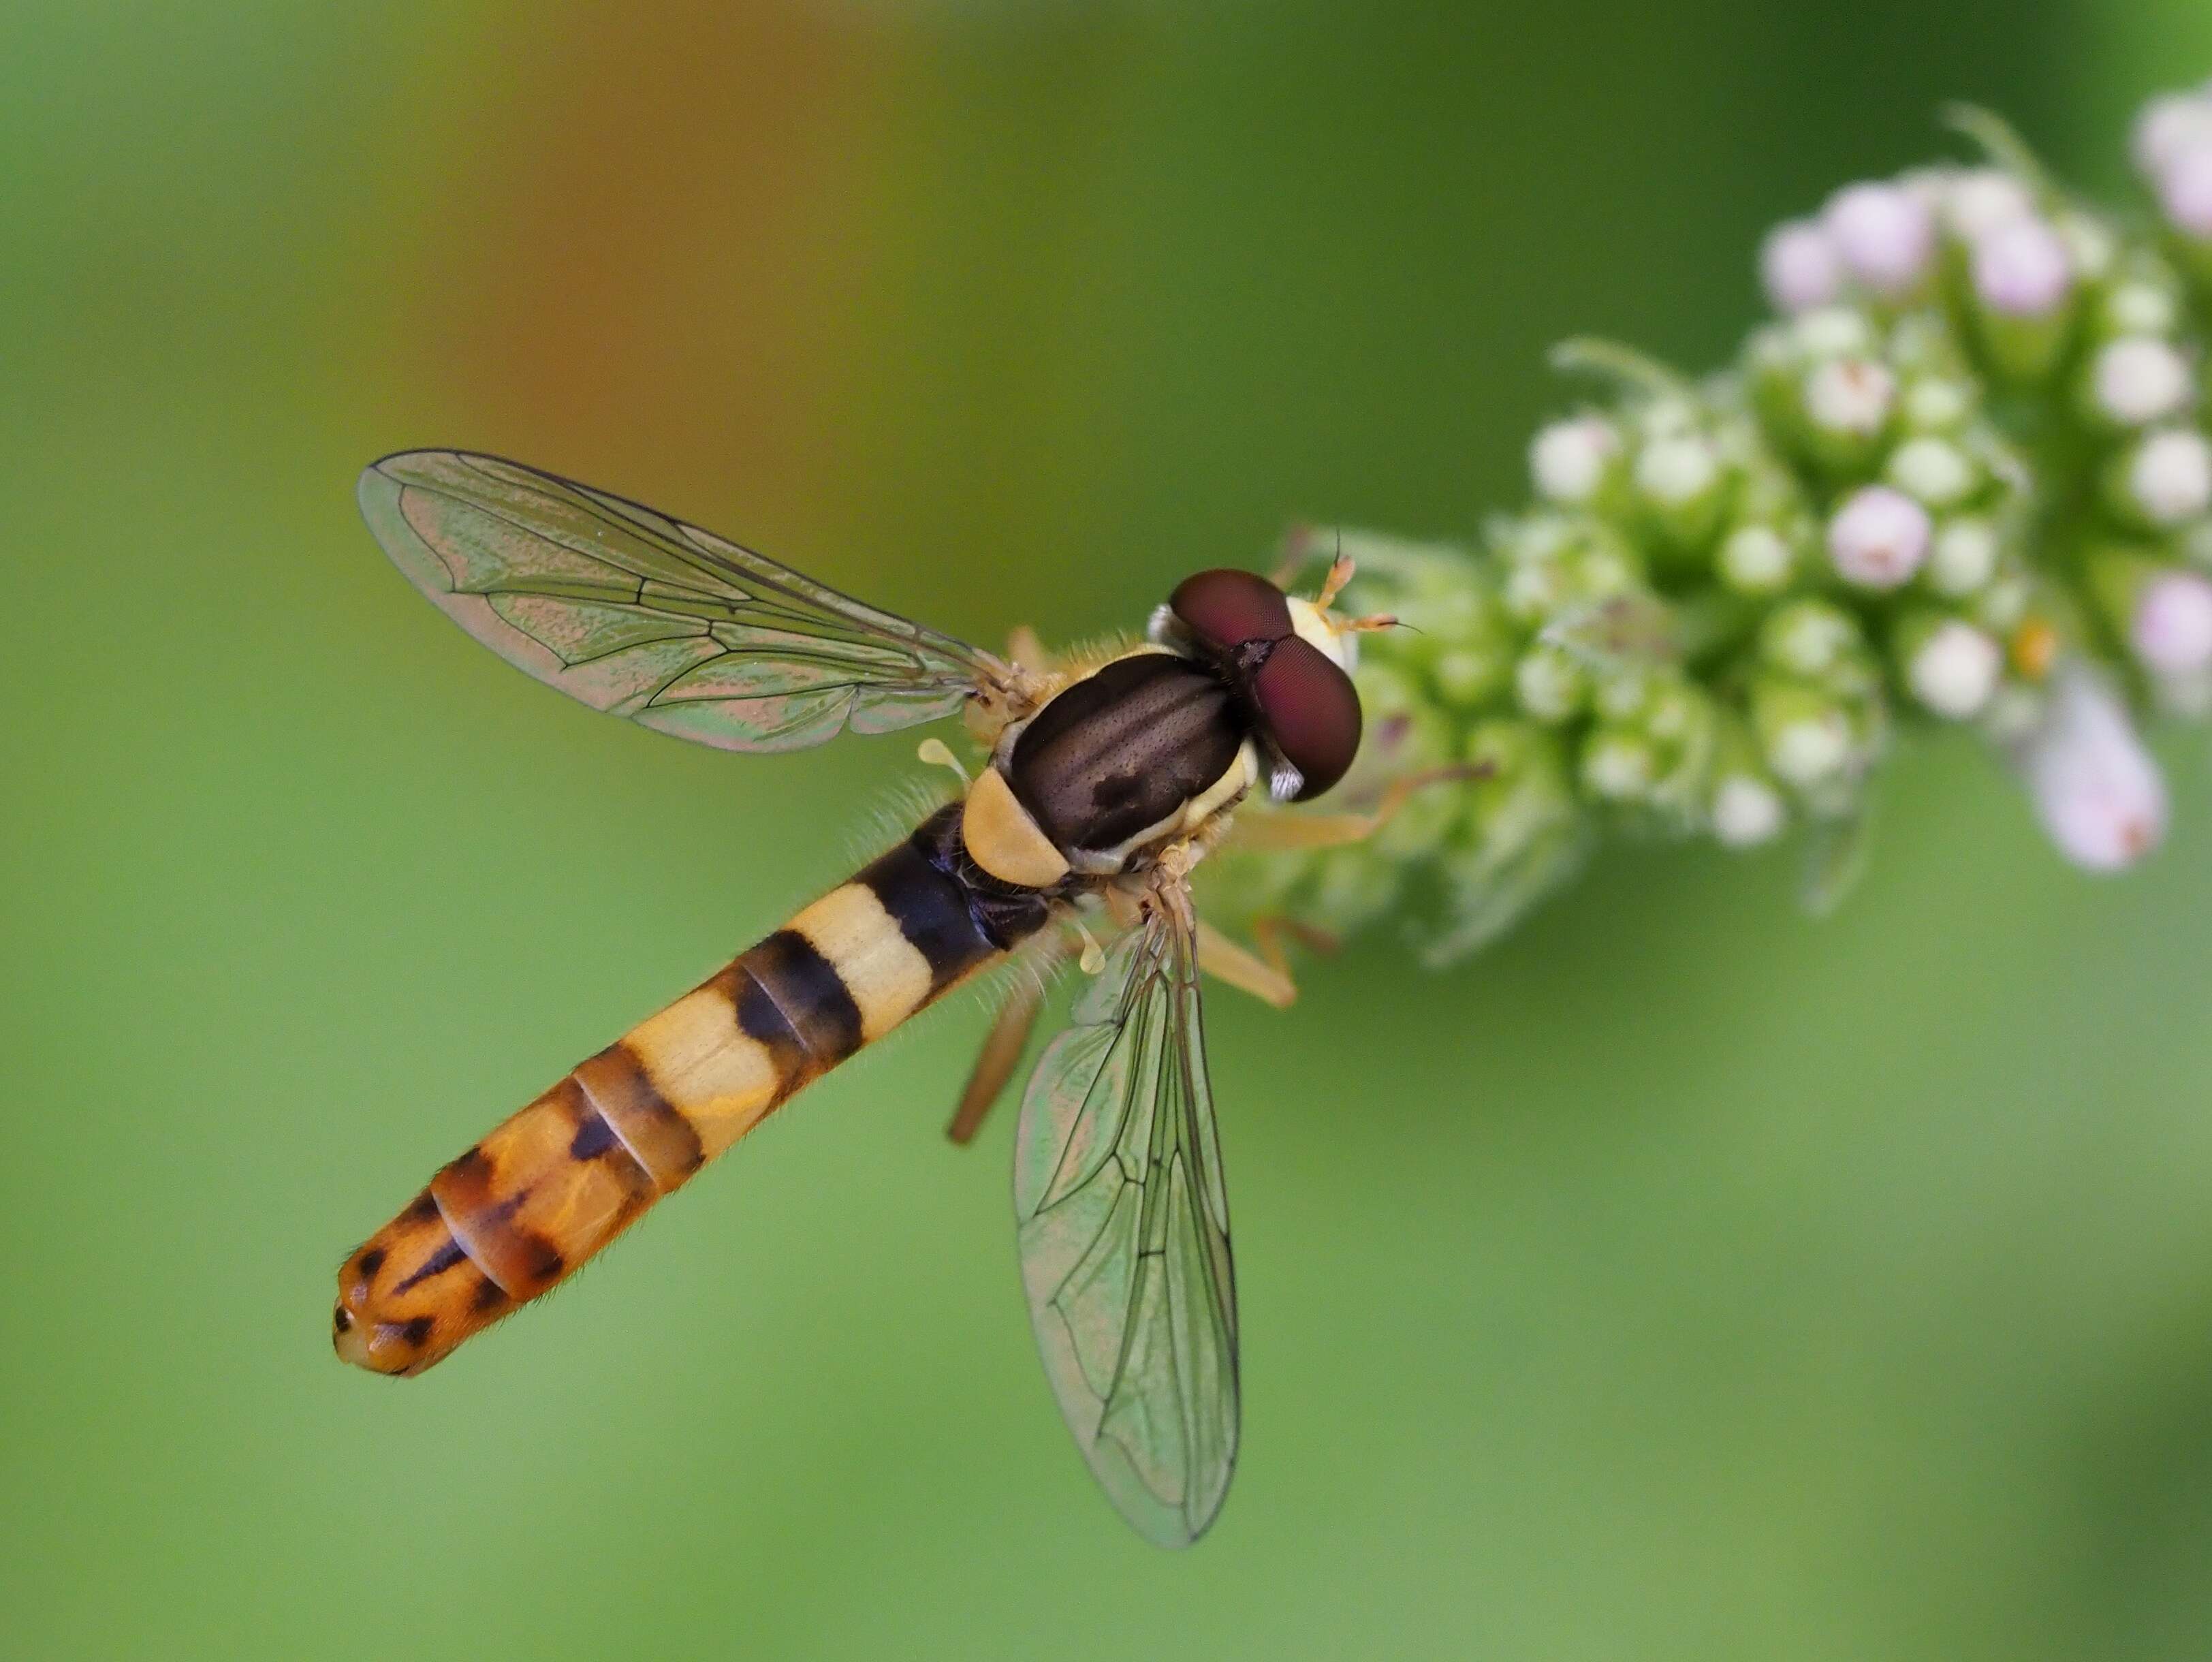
(1105, 783)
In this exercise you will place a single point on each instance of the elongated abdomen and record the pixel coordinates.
(560, 1179)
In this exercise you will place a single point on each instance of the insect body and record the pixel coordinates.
(1102, 788)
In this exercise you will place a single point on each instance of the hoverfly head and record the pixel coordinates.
(1286, 659)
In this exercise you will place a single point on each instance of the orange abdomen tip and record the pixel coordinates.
(516, 1214)
(495, 1228)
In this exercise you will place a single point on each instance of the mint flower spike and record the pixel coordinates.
(1959, 480)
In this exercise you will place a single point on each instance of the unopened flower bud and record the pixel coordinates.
(1964, 559)
(1805, 736)
(1799, 267)
(1570, 459)
(1677, 471)
(2141, 308)
(2184, 191)
(2172, 628)
(1984, 200)
(1879, 537)
(1756, 559)
(1747, 811)
(1681, 484)
(2096, 789)
(2168, 125)
(1935, 404)
(1851, 397)
(1551, 684)
(2023, 277)
(1884, 234)
(2137, 380)
(1933, 471)
(1832, 332)
(2164, 480)
(1617, 766)
(1952, 667)
(2022, 269)
(1807, 637)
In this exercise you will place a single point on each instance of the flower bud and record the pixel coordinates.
(2139, 307)
(2185, 192)
(2023, 281)
(1984, 200)
(1937, 404)
(2022, 270)
(2097, 791)
(1676, 471)
(1747, 811)
(1805, 735)
(1807, 637)
(2169, 125)
(1951, 667)
(1879, 537)
(1846, 405)
(1886, 235)
(2137, 380)
(1571, 460)
(1551, 683)
(1617, 766)
(2161, 481)
(1757, 559)
(1681, 484)
(2172, 628)
(1934, 471)
(1799, 267)
(1832, 332)
(1851, 397)
(1965, 557)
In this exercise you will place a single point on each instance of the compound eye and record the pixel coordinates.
(1225, 608)
(1311, 711)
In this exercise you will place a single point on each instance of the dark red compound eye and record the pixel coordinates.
(1225, 608)
(1311, 711)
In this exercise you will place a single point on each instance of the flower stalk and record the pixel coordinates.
(1959, 479)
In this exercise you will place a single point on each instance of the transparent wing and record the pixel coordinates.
(1125, 1236)
(641, 614)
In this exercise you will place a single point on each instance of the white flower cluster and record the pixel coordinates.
(1962, 477)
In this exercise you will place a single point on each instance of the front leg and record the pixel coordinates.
(1279, 833)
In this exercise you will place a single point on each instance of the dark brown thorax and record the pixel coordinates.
(1125, 748)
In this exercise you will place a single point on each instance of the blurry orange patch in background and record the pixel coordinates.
(658, 261)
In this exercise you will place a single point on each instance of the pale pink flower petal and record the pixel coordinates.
(2096, 789)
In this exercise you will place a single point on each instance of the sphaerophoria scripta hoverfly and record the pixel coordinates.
(1103, 782)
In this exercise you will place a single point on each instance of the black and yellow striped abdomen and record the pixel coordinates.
(560, 1179)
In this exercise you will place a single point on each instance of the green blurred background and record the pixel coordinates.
(1681, 1279)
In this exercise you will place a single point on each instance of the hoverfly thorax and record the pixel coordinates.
(1123, 750)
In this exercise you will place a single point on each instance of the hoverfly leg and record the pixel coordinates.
(1278, 832)
(1340, 574)
(996, 1062)
(1267, 933)
(1265, 975)
(1009, 1036)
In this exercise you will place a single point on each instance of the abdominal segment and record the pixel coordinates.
(559, 1180)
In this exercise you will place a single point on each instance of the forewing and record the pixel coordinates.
(637, 613)
(1124, 1231)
